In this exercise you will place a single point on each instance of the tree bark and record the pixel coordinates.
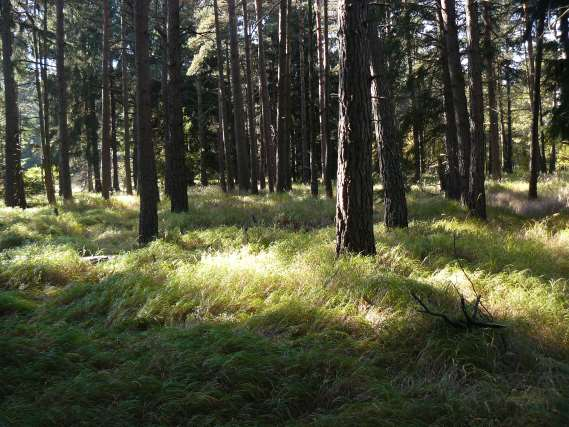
(39, 53)
(177, 151)
(386, 132)
(354, 205)
(508, 146)
(201, 133)
(304, 154)
(323, 66)
(125, 89)
(535, 162)
(114, 143)
(64, 172)
(147, 188)
(106, 143)
(494, 142)
(310, 121)
(452, 174)
(91, 128)
(448, 9)
(253, 149)
(476, 194)
(168, 173)
(282, 154)
(13, 194)
(224, 136)
(243, 170)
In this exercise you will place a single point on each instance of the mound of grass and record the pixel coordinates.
(241, 315)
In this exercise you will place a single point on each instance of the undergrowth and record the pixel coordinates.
(241, 315)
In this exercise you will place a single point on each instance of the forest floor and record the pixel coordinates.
(240, 315)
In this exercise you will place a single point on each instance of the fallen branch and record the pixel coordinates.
(470, 320)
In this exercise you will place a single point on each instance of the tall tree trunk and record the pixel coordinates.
(508, 146)
(536, 102)
(177, 151)
(304, 154)
(13, 194)
(39, 51)
(106, 143)
(503, 127)
(231, 154)
(310, 122)
(224, 136)
(354, 203)
(452, 178)
(282, 154)
(147, 187)
(412, 87)
(494, 143)
(476, 194)
(64, 172)
(253, 150)
(530, 53)
(114, 144)
(266, 116)
(91, 128)
(135, 168)
(553, 155)
(164, 86)
(323, 66)
(201, 133)
(47, 153)
(543, 159)
(386, 132)
(243, 170)
(448, 8)
(125, 87)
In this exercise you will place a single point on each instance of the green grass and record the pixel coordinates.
(214, 325)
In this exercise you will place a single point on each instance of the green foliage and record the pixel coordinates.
(241, 315)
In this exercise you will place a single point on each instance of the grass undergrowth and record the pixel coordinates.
(241, 315)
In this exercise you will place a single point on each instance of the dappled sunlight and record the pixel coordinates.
(221, 297)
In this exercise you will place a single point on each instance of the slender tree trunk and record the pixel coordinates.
(232, 147)
(201, 133)
(224, 136)
(530, 53)
(13, 194)
(64, 172)
(164, 85)
(386, 132)
(508, 146)
(458, 93)
(91, 127)
(536, 102)
(253, 150)
(503, 128)
(147, 188)
(322, 43)
(553, 155)
(494, 143)
(412, 87)
(46, 152)
(125, 87)
(304, 154)
(243, 170)
(310, 122)
(452, 178)
(175, 140)
(106, 143)
(282, 155)
(266, 116)
(476, 194)
(354, 205)
(135, 168)
(114, 144)
(543, 159)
